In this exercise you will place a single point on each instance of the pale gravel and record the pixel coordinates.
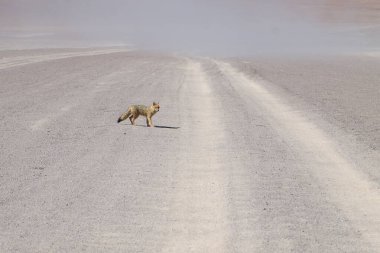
(224, 170)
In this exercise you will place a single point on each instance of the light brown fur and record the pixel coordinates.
(134, 111)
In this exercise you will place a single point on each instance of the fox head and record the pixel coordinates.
(156, 106)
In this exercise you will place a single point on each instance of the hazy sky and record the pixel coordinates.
(229, 27)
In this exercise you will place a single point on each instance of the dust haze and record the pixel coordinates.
(228, 28)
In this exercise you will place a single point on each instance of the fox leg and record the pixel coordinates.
(133, 118)
(130, 119)
(149, 122)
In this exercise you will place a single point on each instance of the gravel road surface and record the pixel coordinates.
(247, 155)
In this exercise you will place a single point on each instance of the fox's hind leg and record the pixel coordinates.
(132, 118)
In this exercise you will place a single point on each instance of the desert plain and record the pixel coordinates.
(247, 154)
(267, 138)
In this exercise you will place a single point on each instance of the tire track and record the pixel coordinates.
(198, 213)
(355, 194)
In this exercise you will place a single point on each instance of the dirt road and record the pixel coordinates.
(235, 163)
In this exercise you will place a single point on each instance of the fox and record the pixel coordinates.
(134, 111)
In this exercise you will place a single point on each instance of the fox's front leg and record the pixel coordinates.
(149, 122)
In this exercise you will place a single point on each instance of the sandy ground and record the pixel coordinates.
(257, 155)
(23, 57)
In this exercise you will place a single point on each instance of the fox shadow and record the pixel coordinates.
(168, 127)
(156, 126)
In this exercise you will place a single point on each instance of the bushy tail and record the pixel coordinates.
(124, 116)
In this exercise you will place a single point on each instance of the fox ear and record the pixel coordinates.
(154, 103)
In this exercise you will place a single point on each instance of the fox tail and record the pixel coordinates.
(124, 116)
